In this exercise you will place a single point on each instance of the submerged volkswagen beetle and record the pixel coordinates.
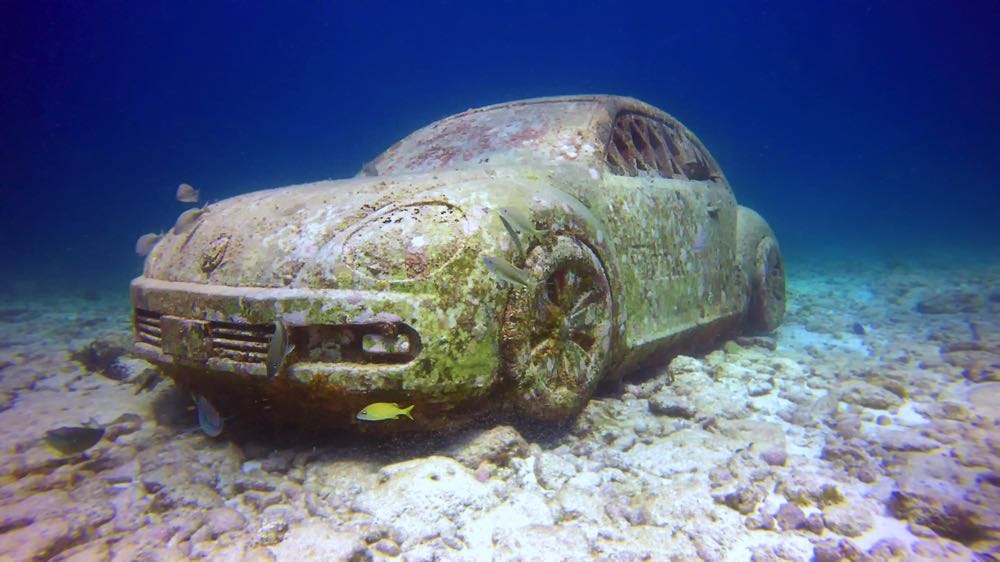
(507, 258)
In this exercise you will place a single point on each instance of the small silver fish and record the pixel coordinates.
(187, 218)
(209, 419)
(279, 349)
(144, 245)
(507, 274)
(187, 194)
(700, 238)
(518, 225)
(519, 222)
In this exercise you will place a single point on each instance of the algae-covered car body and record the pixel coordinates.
(637, 248)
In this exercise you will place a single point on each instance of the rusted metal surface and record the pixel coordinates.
(638, 248)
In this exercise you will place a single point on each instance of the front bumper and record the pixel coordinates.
(347, 342)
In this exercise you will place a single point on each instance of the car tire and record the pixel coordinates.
(767, 298)
(556, 335)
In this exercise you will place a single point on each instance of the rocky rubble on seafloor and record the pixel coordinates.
(866, 428)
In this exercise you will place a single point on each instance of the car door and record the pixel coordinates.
(669, 217)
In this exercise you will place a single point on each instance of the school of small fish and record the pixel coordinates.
(518, 225)
(185, 194)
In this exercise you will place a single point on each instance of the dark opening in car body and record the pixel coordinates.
(638, 249)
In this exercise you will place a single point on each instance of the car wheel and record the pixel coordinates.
(556, 335)
(767, 301)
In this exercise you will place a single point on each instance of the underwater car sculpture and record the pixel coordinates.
(505, 258)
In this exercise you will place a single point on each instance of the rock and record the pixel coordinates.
(331, 487)
(764, 342)
(163, 477)
(889, 549)
(814, 523)
(744, 499)
(18, 378)
(666, 404)
(851, 457)
(89, 552)
(943, 552)
(144, 547)
(985, 398)
(496, 445)
(386, 547)
(578, 499)
(848, 520)
(44, 505)
(278, 461)
(315, 539)
(223, 520)
(190, 494)
(904, 440)
(774, 456)
(858, 329)
(684, 365)
(130, 505)
(833, 550)
(763, 521)
(977, 366)
(790, 517)
(6, 399)
(947, 516)
(270, 533)
(419, 496)
(40, 540)
(950, 303)
(124, 424)
(871, 396)
(552, 470)
(542, 542)
(101, 353)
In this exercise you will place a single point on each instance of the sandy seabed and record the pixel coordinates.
(866, 428)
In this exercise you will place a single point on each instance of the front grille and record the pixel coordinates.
(378, 342)
(147, 327)
(247, 343)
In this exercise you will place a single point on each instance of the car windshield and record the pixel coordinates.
(538, 132)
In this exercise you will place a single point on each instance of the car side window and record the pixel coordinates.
(640, 145)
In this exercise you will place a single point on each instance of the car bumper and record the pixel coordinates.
(350, 342)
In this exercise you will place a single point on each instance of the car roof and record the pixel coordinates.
(537, 130)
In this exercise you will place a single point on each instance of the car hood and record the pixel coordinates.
(327, 234)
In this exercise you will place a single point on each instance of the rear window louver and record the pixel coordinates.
(640, 145)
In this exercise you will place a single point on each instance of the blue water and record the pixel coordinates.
(855, 128)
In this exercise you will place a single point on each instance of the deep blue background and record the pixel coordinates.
(854, 127)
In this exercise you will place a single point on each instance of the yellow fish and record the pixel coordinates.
(383, 411)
